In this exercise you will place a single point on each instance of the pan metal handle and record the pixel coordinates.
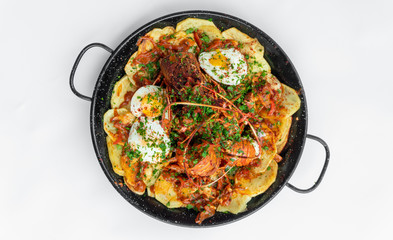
(78, 59)
(324, 144)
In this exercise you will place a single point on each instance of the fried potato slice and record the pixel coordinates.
(236, 34)
(290, 103)
(211, 31)
(165, 193)
(126, 116)
(180, 36)
(263, 163)
(131, 169)
(238, 204)
(121, 88)
(283, 138)
(267, 140)
(151, 174)
(131, 69)
(156, 33)
(193, 23)
(150, 191)
(251, 47)
(206, 26)
(280, 128)
(115, 156)
(254, 184)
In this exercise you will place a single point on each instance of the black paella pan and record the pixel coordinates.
(281, 67)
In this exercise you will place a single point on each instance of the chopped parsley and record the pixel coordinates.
(205, 38)
(190, 30)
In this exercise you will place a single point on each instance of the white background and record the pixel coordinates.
(52, 186)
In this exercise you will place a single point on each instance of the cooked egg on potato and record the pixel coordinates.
(148, 101)
(227, 66)
(149, 138)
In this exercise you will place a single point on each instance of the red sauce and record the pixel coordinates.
(155, 54)
(127, 99)
(183, 46)
(141, 79)
(270, 99)
(121, 135)
(152, 190)
(137, 182)
(219, 43)
(140, 186)
(147, 57)
(144, 58)
(198, 40)
(243, 173)
(131, 177)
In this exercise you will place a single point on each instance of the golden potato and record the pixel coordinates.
(238, 204)
(157, 33)
(165, 193)
(115, 156)
(251, 48)
(131, 169)
(131, 69)
(255, 184)
(283, 138)
(124, 114)
(151, 173)
(121, 88)
(268, 147)
(193, 23)
(289, 104)
(280, 128)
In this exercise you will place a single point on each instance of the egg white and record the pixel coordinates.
(236, 66)
(146, 136)
(137, 106)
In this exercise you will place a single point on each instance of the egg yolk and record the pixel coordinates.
(152, 105)
(219, 60)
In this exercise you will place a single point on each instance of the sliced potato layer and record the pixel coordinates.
(156, 33)
(205, 26)
(131, 169)
(289, 104)
(177, 38)
(121, 88)
(280, 128)
(193, 23)
(151, 173)
(254, 184)
(165, 193)
(283, 138)
(132, 68)
(267, 140)
(123, 114)
(115, 156)
(238, 204)
(251, 47)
